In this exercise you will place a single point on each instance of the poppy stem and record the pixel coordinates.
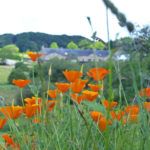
(21, 93)
(81, 114)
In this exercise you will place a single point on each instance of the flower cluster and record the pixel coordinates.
(78, 90)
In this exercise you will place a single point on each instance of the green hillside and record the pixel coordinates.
(34, 40)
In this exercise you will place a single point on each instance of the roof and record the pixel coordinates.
(75, 52)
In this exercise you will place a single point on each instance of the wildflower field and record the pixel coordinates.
(74, 115)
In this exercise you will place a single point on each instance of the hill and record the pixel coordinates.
(34, 40)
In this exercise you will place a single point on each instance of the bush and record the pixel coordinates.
(21, 71)
(57, 66)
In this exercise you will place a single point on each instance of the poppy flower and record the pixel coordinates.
(95, 115)
(109, 105)
(133, 110)
(33, 100)
(77, 98)
(100, 120)
(2, 122)
(78, 85)
(117, 115)
(34, 55)
(21, 83)
(95, 87)
(63, 87)
(73, 75)
(10, 142)
(97, 73)
(102, 123)
(52, 93)
(90, 95)
(30, 110)
(51, 104)
(11, 112)
(147, 106)
(145, 92)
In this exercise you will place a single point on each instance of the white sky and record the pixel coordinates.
(68, 16)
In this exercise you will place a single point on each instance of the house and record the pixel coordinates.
(75, 54)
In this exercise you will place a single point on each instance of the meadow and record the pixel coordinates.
(73, 115)
(7, 91)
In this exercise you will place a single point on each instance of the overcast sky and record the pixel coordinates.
(68, 16)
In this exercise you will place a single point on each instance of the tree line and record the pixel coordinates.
(34, 41)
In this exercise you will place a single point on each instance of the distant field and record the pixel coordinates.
(4, 73)
(8, 92)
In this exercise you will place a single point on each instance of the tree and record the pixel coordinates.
(85, 44)
(9, 52)
(142, 41)
(97, 45)
(54, 45)
(11, 48)
(72, 45)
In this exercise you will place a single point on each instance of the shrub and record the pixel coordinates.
(21, 71)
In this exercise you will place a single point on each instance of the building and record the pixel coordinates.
(75, 55)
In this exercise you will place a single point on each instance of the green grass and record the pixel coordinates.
(4, 73)
(8, 92)
(70, 127)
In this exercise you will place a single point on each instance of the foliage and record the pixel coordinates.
(4, 73)
(54, 45)
(9, 52)
(85, 44)
(97, 45)
(72, 45)
(34, 41)
(21, 71)
(57, 66)
(142, 40)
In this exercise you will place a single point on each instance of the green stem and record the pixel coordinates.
(21, 96)
(110, 58)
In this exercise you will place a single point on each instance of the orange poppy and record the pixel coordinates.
(147, 106)
(2, 122)
(96, 115)
(73, 75)
(145, 92)
(100, 120)
(12, 112)
(78, 85)
(133, 110)
(97, 73)
(63, 87)
(31, 110)
(21, 83)
(95, 87)
(77, 98)
(34, 55)
(51, 104)
(33, 100)
(52, 93)
(10, 142)
(117, 115)
(102, 123)
(109, 105)
(89, 95)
